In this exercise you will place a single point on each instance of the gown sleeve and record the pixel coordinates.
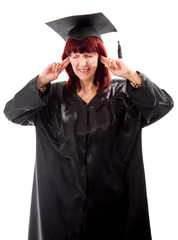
(26, 103)
(152, 102)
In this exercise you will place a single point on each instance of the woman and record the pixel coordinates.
(89, 178)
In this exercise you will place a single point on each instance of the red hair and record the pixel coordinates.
(90, 44)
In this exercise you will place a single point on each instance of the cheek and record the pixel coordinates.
(94, 63)
(73, 64)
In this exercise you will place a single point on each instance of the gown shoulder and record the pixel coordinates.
(118, 87)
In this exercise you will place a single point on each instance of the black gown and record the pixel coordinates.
(89, 180)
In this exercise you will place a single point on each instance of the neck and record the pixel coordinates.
(87, 87)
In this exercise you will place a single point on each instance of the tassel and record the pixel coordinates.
(119, 51)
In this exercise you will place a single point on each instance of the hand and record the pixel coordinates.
(117, 67)
(51, 72)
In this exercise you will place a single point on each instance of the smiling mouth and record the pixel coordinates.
(84, 70)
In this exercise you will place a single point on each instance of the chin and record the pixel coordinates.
(86, 77)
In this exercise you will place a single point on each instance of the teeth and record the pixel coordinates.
(83, 70)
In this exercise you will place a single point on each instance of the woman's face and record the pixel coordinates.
(84, 65)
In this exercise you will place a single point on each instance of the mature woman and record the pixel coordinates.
(89, 178)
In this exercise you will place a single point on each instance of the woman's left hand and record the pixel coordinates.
(117, 67)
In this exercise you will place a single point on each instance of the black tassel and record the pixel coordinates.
(119, 51)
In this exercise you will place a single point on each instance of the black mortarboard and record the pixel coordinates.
(82, 26)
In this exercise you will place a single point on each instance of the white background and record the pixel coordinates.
(147, 31)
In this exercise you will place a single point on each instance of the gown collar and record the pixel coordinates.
(95, 100)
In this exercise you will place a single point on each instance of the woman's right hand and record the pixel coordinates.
(51, 72)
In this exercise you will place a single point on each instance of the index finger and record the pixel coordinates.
(65, 62)
(104, 60)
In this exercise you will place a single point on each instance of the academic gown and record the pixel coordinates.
(89, 180)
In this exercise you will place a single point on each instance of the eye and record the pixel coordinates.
(88, 56)
(74, 57)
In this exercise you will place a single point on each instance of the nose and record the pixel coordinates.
(82, 62)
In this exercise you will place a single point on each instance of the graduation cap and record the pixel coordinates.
(82, 26)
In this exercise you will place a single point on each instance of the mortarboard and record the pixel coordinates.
(82, 26)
